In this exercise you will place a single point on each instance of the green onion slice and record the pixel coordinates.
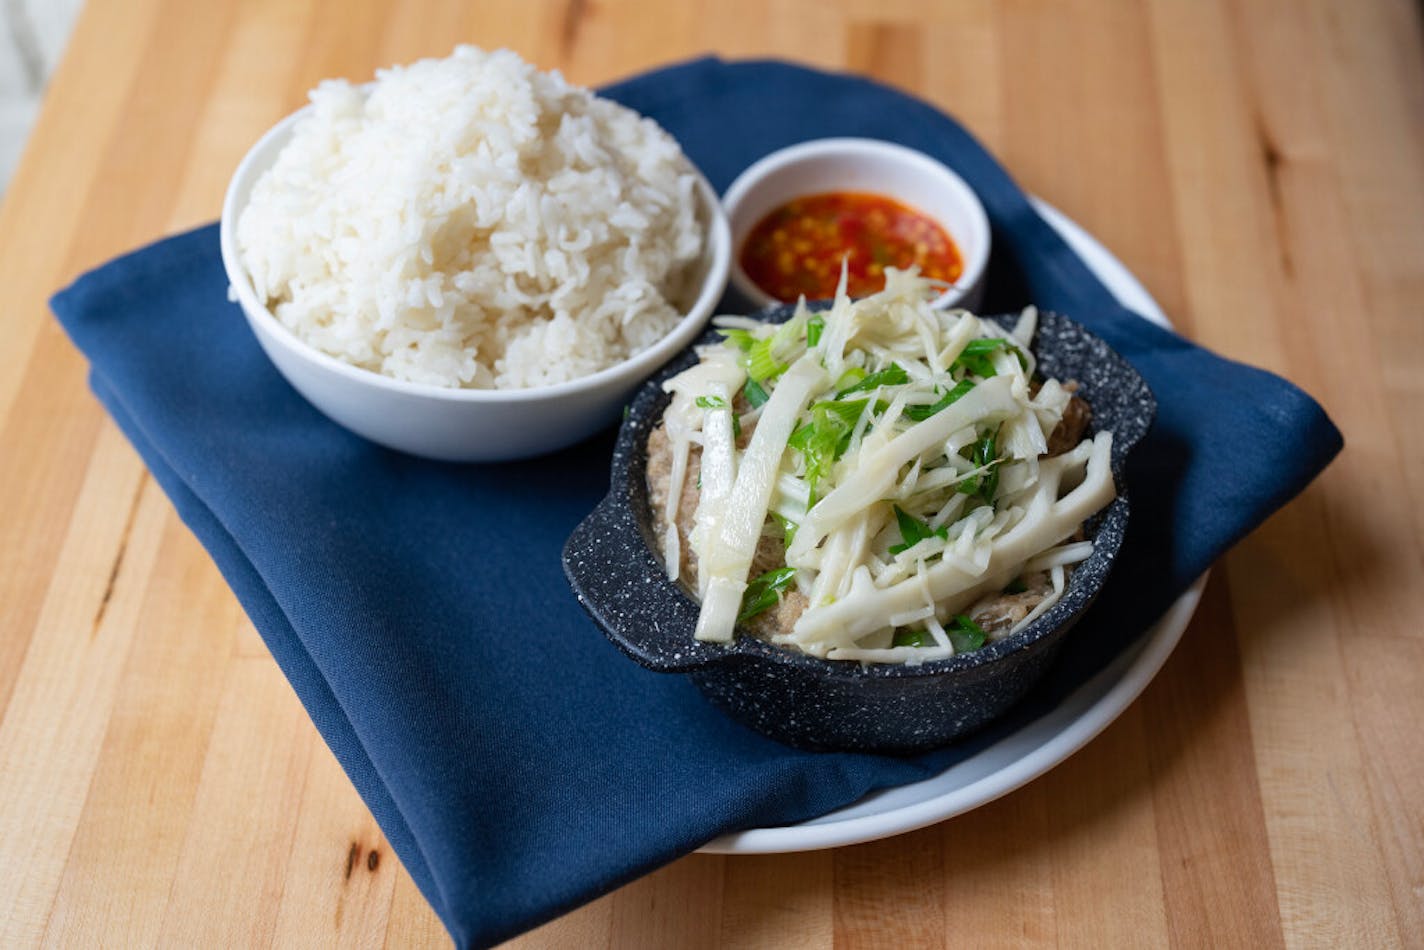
(892, 375)
(974, 359)
(755, 394)
(741, 339)
(764, 592)
(983, 453)
(965, 634)
(912, 638)
(920, 413)
(913, 530)
(814, 328)
(717, 402)
(762, 363)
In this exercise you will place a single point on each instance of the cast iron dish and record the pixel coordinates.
(805, 701)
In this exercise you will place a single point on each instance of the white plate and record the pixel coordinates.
(1026, 754)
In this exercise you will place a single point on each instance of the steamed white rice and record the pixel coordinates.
(473, 222)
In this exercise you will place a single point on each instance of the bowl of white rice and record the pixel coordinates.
(469, 259)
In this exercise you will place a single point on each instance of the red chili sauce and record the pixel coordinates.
(797, 248)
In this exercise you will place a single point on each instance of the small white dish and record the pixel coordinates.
(869, 165)
(460, 425)
(1029, 752)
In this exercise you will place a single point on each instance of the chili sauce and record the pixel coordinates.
(798, 248)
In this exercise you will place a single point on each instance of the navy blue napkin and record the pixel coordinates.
(515, 760)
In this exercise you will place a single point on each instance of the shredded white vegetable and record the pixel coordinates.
(727, 553)
(901, 453)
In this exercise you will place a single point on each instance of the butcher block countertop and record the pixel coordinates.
(1258, 165)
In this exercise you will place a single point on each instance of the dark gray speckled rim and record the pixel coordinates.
(612, 563)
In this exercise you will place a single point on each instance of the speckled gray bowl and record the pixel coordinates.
(812, 703)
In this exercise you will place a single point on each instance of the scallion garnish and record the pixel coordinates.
(755, 395)
(974, 359)
(717, 402)
(761, 362)
(892, 375)
(986, 454)
(912, 638)
(984, 346)
(913, 531)
(764, 592)
(826, 437)
(814, 327)
(850, 377)
(983, 453)
(788, 528)
(965, 634)
(849, 410)
(741, 339)
(922, 412)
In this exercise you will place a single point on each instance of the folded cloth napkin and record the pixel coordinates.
(515, 760)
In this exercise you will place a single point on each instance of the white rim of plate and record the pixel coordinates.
(1024, 755)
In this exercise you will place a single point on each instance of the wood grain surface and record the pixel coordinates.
(1260, 165)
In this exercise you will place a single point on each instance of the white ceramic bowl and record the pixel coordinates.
(461, 425)
(848, 164)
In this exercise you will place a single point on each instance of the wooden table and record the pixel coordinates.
(1259, 165)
